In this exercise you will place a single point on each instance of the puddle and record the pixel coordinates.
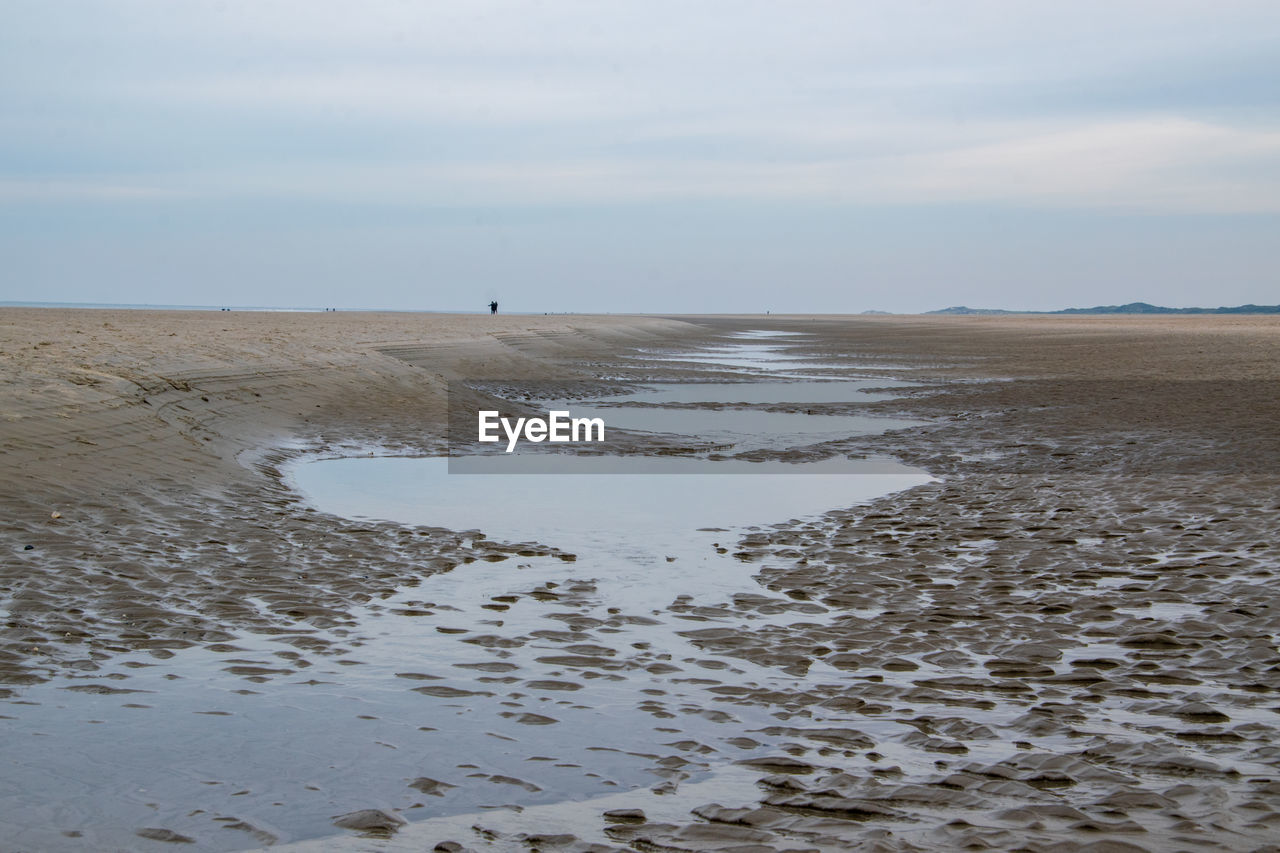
(1165, 611)
(504, 829)
(740, 422)
(766, 354)
(744, 429)
(754, 393)
(769, 333)
(755, 357)
(520, 682)
(745, 362)
(644, 517)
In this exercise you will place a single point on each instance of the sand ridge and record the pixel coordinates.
(196, 388)
(152, 436)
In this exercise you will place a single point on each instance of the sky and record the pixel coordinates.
(653, 156)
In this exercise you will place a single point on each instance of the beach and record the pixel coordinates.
(1067, 638)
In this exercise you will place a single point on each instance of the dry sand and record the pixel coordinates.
(136, 444)
(1070, 640)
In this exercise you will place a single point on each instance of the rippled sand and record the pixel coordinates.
(1069, 640)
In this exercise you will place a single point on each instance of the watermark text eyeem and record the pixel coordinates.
(558, 427)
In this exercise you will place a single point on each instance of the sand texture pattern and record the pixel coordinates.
(1068, 641)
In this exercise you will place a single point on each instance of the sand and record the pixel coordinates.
(1069, 640)
(136, 444)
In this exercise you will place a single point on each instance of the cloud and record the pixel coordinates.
(236, 117)
(572, 102)
(408, 96)
(1159, 164)
(81, 191)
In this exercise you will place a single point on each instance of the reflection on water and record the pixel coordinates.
(772, 358)
(841, 391)
(739, 421)
(763, 357)
(745, 429)
(468, 679)
(643, 517)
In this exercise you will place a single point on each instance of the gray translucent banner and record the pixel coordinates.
(515, 427)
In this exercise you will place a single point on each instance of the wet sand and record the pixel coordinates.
(1070, 640)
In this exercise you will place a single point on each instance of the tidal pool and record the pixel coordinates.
(525, 681)
(667, 508)
(769, 392)
(741, 419)
(744, 429)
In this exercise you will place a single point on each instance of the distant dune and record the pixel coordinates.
(1131, 308)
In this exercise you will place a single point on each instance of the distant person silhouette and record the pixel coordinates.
(493, 307)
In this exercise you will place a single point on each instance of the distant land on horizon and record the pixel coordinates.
(1131, 308)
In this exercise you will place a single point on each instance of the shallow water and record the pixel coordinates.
(529, 680)
(746, 359)
(641, 542)
(749, 356)
(636, 520)
(743, 429)
(841, 391)
(741, 420)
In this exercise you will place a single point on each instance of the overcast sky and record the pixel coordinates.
(641, 156)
